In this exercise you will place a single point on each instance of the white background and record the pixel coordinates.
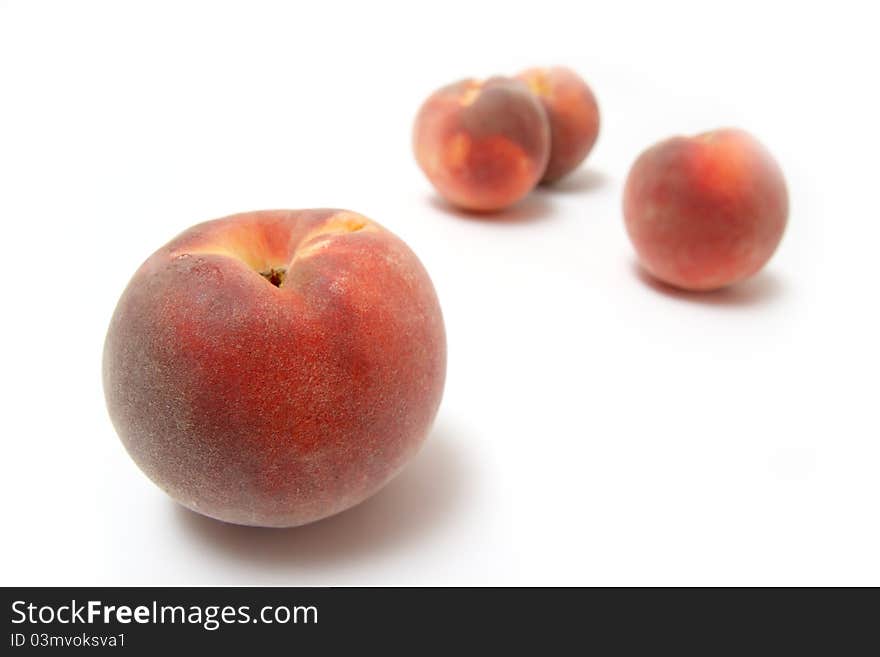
(595, 429)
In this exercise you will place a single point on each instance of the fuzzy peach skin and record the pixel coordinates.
(273, 368)
(483, 145)
(707, 211)
(573, 114)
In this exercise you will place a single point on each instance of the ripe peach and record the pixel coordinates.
(273, 368)
(483, 145)
(706, 211)
(573, 115)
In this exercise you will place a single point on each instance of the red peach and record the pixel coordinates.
(483, 145)
(573, 114)
(273, 368)
(706, 211)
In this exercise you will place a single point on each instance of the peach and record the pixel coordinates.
(573, 114)
(483, 145)
(273, 368)
(706, 211)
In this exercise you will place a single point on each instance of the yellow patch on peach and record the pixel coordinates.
(250, 252)
(470, 93)
(345, 222)
(341, 223)
(253, 248)
(457, 150)
(539, 82)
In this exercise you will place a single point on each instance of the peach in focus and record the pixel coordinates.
(274, 368)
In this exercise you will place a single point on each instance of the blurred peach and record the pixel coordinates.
(706, 211)
(573, 114)
(483, 145)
